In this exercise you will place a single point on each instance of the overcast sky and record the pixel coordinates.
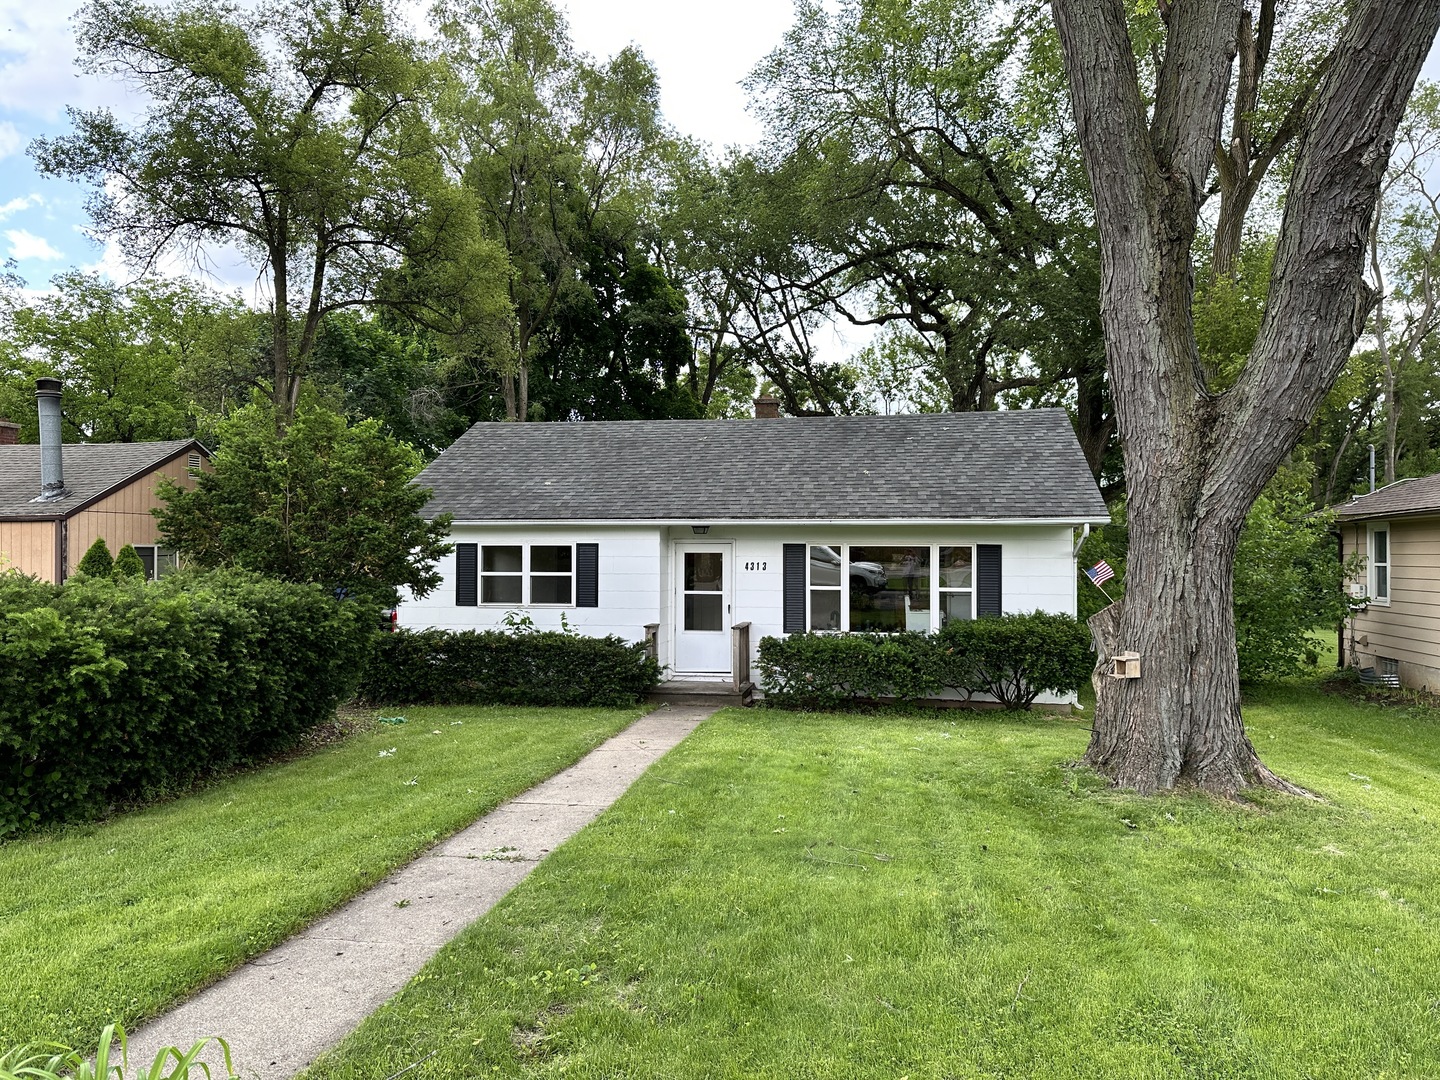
(701, 51)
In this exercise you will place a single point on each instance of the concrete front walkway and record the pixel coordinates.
(281, 1010)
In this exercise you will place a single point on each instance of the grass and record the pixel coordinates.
(941, 896)
(116, 921)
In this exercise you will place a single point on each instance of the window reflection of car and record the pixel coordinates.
(863, 575)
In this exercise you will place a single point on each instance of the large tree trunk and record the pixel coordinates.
(1196, 457)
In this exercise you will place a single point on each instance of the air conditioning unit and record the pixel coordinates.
(1357, 590)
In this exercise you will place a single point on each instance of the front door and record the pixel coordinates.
(702, 609)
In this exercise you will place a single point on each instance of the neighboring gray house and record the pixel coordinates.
(708, 535)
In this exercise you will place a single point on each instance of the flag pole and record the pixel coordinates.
(1098, 586)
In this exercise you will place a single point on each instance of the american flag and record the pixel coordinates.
(1100, 572)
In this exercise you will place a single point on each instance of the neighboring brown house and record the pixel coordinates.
(1397, 531)
(110, 491)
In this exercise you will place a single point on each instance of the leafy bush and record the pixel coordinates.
(111, 689)
(1016, 658)
(97, 560)
(492, 667)
(1013, 658)
(826, 671)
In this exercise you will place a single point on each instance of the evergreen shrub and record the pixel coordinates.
(128, 563)
(495, 667)
(97, 560)
(113, 690)
(1011, 658)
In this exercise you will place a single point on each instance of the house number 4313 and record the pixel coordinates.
(756, 565)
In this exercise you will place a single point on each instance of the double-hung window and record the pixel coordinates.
(158, 561)
(502, 574)
(552, 574)
(1379, 561)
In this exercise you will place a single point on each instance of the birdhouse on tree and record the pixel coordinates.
(1125, 665)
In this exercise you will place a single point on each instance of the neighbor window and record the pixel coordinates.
(502, 574)
(1380, 563)
(158, 561)
(552, 573)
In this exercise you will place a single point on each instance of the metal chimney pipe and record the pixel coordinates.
(1372, 466)
(52, 471)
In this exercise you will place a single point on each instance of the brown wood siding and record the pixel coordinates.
(123, 517)
(28, 546)
(1408, 628)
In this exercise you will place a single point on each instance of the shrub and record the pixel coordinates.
(1016, 658)
(819, 671)
(128, 564)
(110, 689)
(1013, 658)
(492, 667)
(96, 562)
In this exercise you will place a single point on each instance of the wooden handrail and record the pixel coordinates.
(740, 655)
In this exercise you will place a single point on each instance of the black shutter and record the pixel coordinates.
(987, 579)
(467, 564)
(794, 578)
(587, 575)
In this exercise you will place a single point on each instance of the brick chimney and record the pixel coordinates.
(767, 408)
(9, 432)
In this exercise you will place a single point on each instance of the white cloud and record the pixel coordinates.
(22, 202)
(25, 245)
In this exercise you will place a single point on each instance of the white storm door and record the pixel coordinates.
(702, 608)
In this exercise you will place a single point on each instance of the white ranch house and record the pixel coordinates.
(705, 536)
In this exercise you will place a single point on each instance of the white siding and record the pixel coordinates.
(630, 579)
(637, 569)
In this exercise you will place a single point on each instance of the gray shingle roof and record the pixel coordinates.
(936, 467)
(1418, 496)
(91, 470)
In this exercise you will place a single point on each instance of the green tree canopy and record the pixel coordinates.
(321, 501)
(296, 131)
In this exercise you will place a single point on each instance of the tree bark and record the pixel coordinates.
(1196, 458)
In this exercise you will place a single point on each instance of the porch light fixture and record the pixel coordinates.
(699, 530)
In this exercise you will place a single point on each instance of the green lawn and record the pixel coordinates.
(797, 896)
(114, 922)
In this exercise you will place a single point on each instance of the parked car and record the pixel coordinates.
(870, 576)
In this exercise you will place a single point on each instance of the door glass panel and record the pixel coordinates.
(501, 560)
(889, 589)
(704, 571)
(704, 611)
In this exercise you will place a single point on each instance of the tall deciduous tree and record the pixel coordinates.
(295, 130)
(1196, 454)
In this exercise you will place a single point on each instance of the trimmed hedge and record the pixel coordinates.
(1012, 658)
(492, 667)
(117, 690)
